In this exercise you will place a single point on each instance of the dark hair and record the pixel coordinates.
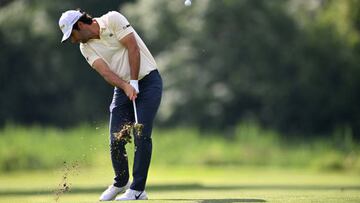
(85, 18)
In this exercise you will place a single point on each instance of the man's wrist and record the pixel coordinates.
(135, 85)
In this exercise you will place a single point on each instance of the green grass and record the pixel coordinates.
(187, 166)
(190, 184)
(33, 148)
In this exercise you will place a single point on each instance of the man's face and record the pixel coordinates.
(81, 35)
(78, 36)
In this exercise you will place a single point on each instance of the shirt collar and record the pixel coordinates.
(101, 25)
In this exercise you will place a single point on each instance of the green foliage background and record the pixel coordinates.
(290, 65)
(37, 148)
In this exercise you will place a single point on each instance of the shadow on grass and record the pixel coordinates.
(187, 187)
(216, 200)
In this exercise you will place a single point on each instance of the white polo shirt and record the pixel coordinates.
(113, 27)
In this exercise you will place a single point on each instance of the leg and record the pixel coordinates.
(148, 102)
(120, 114)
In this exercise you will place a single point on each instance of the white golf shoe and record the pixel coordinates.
(111, 192)
(132, 195)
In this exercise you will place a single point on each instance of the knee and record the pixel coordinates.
(143, 141)
(116, 145)
(145, 132)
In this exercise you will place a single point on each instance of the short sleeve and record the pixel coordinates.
(88, 53)
(119, 24)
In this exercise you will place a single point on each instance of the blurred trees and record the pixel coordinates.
(291, 65)
(288, 64)
(43, 81)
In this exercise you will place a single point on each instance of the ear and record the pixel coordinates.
(80, 25)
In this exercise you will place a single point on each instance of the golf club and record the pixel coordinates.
(135, 113)
(137, 126)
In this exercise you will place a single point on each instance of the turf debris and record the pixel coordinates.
(65, 186)
(125, 132)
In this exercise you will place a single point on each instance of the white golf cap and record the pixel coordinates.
(66, 22)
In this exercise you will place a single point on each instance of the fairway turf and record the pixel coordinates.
(190, 184)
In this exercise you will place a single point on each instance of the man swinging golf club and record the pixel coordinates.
(113, 48)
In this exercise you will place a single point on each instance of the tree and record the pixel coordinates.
(44, 81)
(230, 61)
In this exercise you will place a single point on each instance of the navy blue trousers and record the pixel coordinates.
(121, 113)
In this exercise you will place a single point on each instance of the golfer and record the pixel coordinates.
(113, 48)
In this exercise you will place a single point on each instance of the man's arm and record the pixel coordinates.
(129, 42)
(103, 69)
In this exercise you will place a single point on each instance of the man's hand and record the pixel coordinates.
(130, 91)
(135, 85)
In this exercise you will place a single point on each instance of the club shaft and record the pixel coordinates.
(135, 112)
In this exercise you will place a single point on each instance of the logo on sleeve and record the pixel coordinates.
(126, 26)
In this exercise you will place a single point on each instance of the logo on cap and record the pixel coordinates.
(66, 22)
